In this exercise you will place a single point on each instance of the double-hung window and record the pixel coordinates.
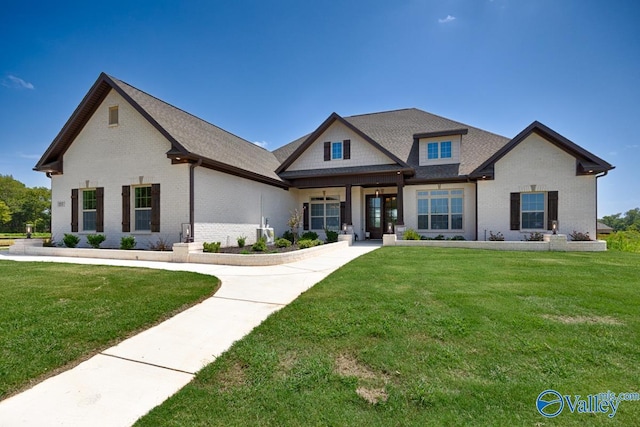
(142, 208)
(336, 150)
(532, 211)
(89, 210)
(325, 213)
(439, 150)
(440, 209)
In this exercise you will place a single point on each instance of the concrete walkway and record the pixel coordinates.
(122, 383)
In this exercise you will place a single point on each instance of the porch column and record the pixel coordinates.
(347, 206)
(400, 199)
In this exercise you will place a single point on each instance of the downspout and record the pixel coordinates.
(192, 167)
(605, 173)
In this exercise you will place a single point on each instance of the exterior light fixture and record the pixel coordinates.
(554, 226)
(389, 228)
(29, 230)
(377, 193)
(344, 228)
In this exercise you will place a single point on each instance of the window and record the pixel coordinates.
(440, 209)
(325, 213)
(336, 150)
(89, 210)
(142, 208)
(439, 150)
(532, 211)
(113, 115)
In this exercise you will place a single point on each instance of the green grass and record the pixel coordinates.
(426, 336)
(52, 315)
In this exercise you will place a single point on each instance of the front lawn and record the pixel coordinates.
(54, 314)
(428, 336)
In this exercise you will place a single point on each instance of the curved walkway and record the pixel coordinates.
(124, 382)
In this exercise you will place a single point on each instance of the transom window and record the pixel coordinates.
(532, 211)
(89, 210)
(336, 150)
(325, 213)
(142, 208)
(113, 115)
(440, 209)
(439, 150)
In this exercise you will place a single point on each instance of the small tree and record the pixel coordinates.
(294, 223)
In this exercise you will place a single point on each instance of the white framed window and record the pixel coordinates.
(142, 208)
(336, 150)
(441, 210)
(89, 210)
(325, 213)
(439, 150)
(113, 115)
(532, 211)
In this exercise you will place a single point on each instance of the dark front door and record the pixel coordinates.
(380, 211)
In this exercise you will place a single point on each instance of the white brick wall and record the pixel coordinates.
(538, 162)
(130, 153)
(362, 152)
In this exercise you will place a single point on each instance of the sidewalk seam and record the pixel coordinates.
(147, 363)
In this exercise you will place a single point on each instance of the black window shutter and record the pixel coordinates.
(552, 208)
(342, 210)
(100, 210)
(305, 216)
(155, 208)
(126, 208)
(327, 151)
(74, 210)
(346, 149)
(515, 211)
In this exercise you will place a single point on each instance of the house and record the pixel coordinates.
(126, 163)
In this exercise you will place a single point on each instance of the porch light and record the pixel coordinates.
(29, 230)
(389, 228)
(554, 226)
(344, 228)
(377, 193)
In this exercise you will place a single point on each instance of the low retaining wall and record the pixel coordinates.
(552, 243)
(182, 252)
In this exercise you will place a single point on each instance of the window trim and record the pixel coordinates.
(438, 155)
(137, 209)
(334, 145)
(324, 201)
(94, 210)
(450, 214)
(544, 211)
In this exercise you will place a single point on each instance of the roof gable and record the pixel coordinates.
(587, 163)
(191, 138)
(303, 145)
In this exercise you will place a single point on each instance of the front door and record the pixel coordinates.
(380, 211)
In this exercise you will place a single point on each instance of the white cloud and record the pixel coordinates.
(632, 146)
(446, 20)
(29, 156)
(16, 82)
(262, 144)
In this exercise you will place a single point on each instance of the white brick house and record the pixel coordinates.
(127, 163)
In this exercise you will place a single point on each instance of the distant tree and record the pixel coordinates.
(629, 221)
(25, 205)
(5, 213)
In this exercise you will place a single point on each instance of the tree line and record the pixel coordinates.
(21, 205)
(630, 221)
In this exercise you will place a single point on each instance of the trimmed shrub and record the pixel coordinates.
(95, 240)
(458, 238)
(71, 240)
(128, 242)
(241, 241)
(282, 243)
(411, 234)
(289, 236)
(212, 247)
(309, 235)
(535, 237)
(260, 245)
(332, 236)
(576, 236)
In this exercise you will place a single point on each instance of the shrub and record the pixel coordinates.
(128, 242)
(535, 237)
(260, 245)
(289, 236)
(241, 241)
(282, 243)
(498, 237)
(576, 236)
(626, 241)
(332, 236)
(95, 240)
(212, 247)
(411, 234)
(309, 235)
(458, 238)
(49, 243)
(160, 245)
(70, 240)
(439, 237)
(308, 243)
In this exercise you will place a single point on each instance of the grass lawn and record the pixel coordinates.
(427, 336)
(52, 315)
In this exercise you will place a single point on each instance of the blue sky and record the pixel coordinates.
(272, 71)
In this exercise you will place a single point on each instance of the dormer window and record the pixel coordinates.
(338, 150)
(439, 150)
(113, 116)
